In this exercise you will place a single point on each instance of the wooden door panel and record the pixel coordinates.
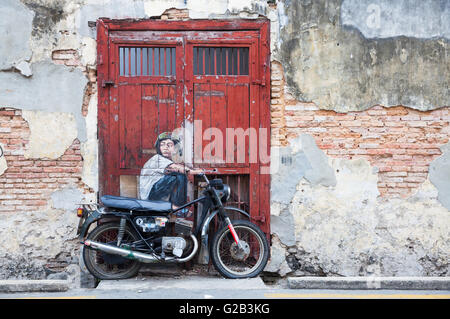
(224, 83)
(130, 126)
(222, 109)
(202, 119)
(145, 112)
(238, 122)
(158, 116)
(150, 116)
(219, 111)
(166, 107)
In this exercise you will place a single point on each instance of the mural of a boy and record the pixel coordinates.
(161, 177)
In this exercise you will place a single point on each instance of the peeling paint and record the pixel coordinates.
(3, 163)
(18, 232)
(395, 234)
(386, 19)
(16, 25)
(24, 68)
(51, 133)
(440, 175)
(327, 217)
(360, 232)
(302, 158)
(51, 88)
(88, 52)
(283, 226)
(46, 14)
(114, 9)
(277, 262)
(67, 199)
(204, 9)
(338, 69)
(89, 149)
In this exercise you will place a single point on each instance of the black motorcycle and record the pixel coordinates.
(130, 232)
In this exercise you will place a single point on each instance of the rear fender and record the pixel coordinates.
(92, 217)
(97, 216)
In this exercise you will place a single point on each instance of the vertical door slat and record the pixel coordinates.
(149, 120)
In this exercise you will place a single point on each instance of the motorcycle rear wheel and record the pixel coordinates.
(106, 266)
(234, 264)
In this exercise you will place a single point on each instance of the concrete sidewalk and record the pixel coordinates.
(45, 285)
(183, 282)
(208, 282)
(362, 283)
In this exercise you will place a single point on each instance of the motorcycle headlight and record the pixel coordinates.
(226, 193)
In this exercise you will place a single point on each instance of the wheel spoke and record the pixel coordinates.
(110, 266)
(242, 262)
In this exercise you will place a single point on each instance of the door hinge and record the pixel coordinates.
(105, 83)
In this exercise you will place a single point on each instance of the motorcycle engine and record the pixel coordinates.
(174, 245)
(151, 224)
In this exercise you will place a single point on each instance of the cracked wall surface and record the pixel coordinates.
(16, 45)
(367, 82)
(440, 173)
(347, 229)
(51, 133)
(48, 110)
(330, 62)
(359, 116)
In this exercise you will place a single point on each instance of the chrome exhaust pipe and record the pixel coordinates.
(145, 258)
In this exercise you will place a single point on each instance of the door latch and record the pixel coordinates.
(105, 83)
(259, 82)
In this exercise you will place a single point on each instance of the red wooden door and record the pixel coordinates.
(223, 98)
(212, 79)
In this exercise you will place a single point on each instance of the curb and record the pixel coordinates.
(183, 282)
(8, 286)
(363, 283)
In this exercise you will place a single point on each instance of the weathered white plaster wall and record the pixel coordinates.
(51, 133)
(327, 217)
(344, 228)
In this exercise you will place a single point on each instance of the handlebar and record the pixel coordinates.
(207, 171)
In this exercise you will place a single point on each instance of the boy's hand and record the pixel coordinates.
(196, 171)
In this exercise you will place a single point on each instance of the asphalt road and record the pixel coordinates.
(212, 297)
(181, 293)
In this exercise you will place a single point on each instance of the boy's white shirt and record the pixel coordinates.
(152, 172)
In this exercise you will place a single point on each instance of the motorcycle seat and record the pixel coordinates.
(135, 204)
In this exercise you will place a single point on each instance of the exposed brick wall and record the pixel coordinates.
(175, 14)
(90, 90)
(27, 184)
(71, 58)
(66, 57)
(400, 141)
(277, 106)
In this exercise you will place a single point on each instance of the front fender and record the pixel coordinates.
(204, 250)
(208, 220)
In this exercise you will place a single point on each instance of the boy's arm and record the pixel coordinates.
(182, 169)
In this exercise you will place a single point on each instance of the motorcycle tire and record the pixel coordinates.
(224, 244)
(97, 262)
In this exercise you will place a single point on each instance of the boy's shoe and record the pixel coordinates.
(185, 212)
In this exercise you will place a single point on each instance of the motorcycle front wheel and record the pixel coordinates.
(106, 266)
(236, 262)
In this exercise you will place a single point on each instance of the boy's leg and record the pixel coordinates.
(179, 194)
(163, 188)
(173, 186)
